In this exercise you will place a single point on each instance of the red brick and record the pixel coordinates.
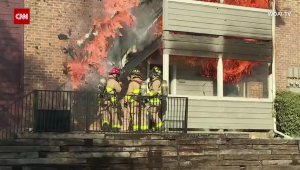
(287, 41)
(43, 66)
(49, 18)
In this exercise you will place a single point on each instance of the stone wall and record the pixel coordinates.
(188, 151)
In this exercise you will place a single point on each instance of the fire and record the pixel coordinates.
(233, 70)
(249, 3)
(115, 14)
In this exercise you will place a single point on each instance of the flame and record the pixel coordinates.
(249, 3)
(233, 70)
(116, 13)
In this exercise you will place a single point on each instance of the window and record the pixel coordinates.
(248, 79)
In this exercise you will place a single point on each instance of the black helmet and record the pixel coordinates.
(155, 72)
(136, 72)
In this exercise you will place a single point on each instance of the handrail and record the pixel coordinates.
(19, 99)
(31, 92)
(64, 111)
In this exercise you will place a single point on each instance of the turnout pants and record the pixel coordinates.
(134, 110)
(126, 118)
(96, 125)
(155, 114)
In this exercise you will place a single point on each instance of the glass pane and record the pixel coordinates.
(248, 79)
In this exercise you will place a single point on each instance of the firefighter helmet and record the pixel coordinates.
(155, 72)
(136, 72)
(114, 71)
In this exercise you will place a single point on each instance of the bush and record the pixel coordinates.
(287, 112)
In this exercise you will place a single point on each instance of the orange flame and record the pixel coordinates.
(116, 13)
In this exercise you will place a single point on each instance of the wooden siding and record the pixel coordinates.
(190, 83)
(217, 19)
(211, 47)
(222, 114)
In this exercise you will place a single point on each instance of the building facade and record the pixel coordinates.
(40, 60)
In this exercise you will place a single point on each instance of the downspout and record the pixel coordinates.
(273, 71)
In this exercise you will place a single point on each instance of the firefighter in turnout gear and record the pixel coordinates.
(132, 103)
(113, 87)
(154, 87)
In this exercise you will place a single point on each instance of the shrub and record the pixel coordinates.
(287, 112)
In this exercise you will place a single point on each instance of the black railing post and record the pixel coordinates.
(186, 115)
(35, 108)
(140, 112)
(87, 113)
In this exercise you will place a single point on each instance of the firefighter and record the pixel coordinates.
(126, 112)
(154, 92)
(113, 87)
(131, 101)
(96, 125)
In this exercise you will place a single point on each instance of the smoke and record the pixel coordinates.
(137, 35)
(140, 35)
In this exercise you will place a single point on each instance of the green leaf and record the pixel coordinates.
(287, 112)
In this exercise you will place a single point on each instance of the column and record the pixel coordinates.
(174, 79)
(220, 76)
(166, 67)
(270, 83)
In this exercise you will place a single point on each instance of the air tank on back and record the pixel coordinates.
(102, 83)
(164, 88)
(143, 89)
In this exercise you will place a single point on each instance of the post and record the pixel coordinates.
(220, 70)
(148, 71)
(270, 82)
(186, 116)
(166, 68)
(273, 51)
(220, 76)
(87, 114)
(35, 109)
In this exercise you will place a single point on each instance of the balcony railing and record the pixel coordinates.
(71, 111)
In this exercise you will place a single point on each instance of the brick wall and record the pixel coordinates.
(287, 40)
(43, 57)
(257, 82)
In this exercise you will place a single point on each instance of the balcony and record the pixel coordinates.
(222, 32)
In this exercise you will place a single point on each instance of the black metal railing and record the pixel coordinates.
(17, 117)
(65, 111)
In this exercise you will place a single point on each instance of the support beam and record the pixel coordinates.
(220, 76)
(273, 54)
(220, 82)
(166, 67)
(270, 83)
(148, 71)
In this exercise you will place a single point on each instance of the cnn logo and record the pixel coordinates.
(21, 16)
